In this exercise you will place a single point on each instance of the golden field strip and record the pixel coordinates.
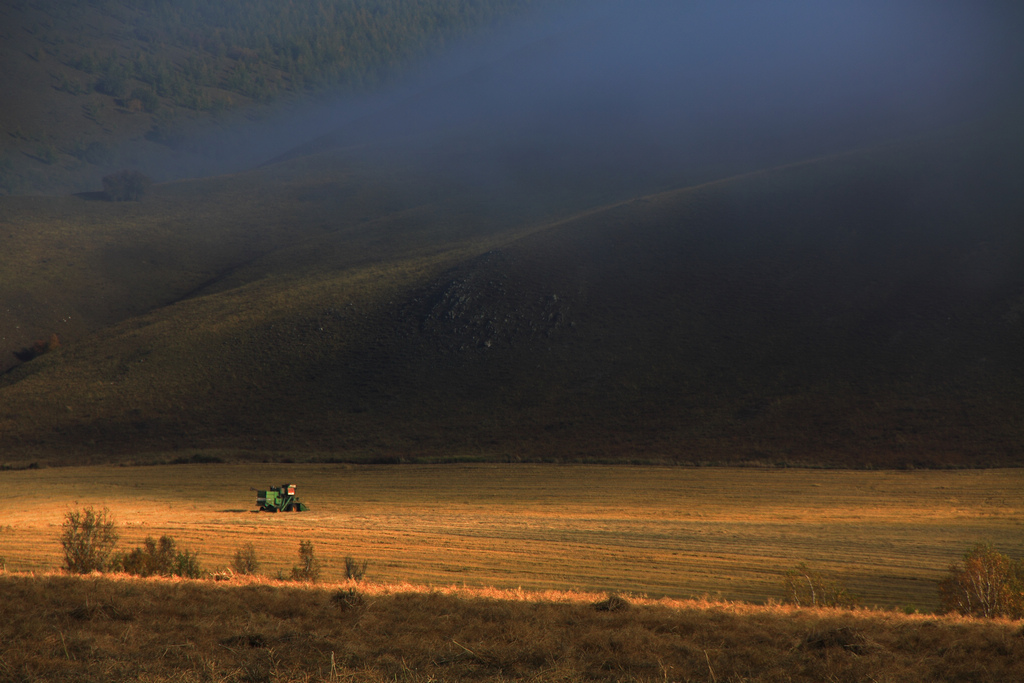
(677, 532)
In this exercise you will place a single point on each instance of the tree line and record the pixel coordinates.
(261, 49)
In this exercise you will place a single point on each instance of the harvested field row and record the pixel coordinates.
(676, 532)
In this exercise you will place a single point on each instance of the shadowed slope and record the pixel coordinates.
(856, 310)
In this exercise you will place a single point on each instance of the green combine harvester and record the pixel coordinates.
(279, 499)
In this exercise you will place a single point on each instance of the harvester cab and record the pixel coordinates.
(279, 499)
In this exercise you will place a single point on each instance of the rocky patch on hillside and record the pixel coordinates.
(488, 303)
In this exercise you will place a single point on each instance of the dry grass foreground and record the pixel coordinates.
(59, 628)
(661, 531)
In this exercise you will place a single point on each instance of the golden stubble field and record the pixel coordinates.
(677, 532)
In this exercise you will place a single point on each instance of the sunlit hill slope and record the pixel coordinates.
(864, 309)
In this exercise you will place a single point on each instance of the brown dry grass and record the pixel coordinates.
(61, 628)
(677, 532)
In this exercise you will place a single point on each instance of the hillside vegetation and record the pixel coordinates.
(94, 85)
(861, 309)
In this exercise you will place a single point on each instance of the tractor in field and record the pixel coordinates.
(279, 499)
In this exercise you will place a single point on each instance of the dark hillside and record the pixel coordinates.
(828, 312)
(865, 309)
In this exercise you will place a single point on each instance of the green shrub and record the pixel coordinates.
(159, 558)
(245, 560)
(148, 98)
(186, 564)
(309, 566)
(114, 85)
(88, 538)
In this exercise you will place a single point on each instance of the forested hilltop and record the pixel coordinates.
(81, 77)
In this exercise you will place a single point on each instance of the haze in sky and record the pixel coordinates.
(680, 90)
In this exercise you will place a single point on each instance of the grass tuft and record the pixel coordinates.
(613, 603)
(348, 599)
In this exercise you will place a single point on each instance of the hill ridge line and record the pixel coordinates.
(747, 175)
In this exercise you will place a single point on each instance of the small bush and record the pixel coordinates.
(309, 566)
(806, 587)
(245, 560)
(159, 558)
(186, 564)
(986, 584)
(614, 603)
(149, 100)
(88, 538)
(354, 569)
(348, 600)
(96, 153)
(843, 637)
(114, 85)
(125, 186)
(40, 347)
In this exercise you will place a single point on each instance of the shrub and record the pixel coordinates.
(152, 558)
(149, 100)
(806, 587)
(845, 637)
(986, 584)
(613, 603)
(113, 84)
(245, 560)
(186, 564)
(88, 538)
(349, 599)
(40, 347)
(354, 569)
(309, 565)
(160, 558)
(96, 153)
(125, 186)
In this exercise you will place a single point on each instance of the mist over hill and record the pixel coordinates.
(186, 88)
(673, 232)
(679, 92)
